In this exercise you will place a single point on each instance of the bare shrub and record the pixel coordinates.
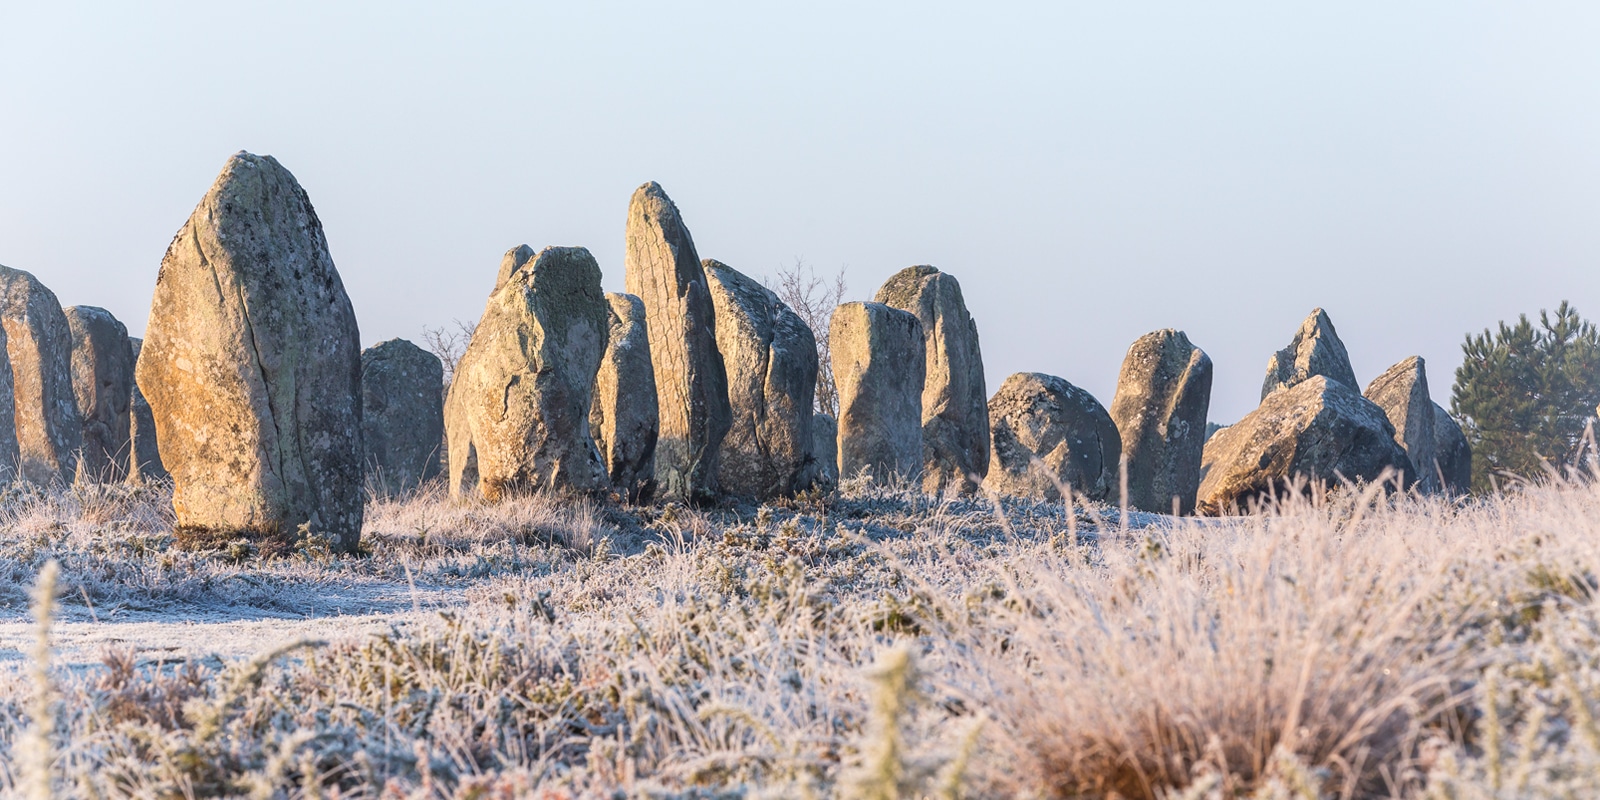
(449, 343)
(813, 298)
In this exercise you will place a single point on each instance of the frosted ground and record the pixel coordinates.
(873, 643)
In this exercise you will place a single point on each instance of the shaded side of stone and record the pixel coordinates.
(825, 447)
(878, 361)
(145, 464)
(1402, 392)
(1452, 453)
(1163, 396)
(402, 416)
(623, 417)
(102, 381)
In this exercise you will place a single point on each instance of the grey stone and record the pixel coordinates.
(770, 356)
(511, 262)
(664, 271)
(1315, 350)
(1452, 452)
(252, 367)
(1048, 434)
(624, 417)
(145, 464)
(402, 415)
(1402, 392)
(102, 381)
(49, 429)
(955, 410)
(825, 447)
(1318, 430)
(878, 362)
(518, 412)
(1163, 396)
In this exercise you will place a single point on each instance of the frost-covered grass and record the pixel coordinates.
(876, 644)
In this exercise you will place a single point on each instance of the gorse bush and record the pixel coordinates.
(877, 643)
(1524, 394)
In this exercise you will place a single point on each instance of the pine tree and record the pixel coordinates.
(1524, 395)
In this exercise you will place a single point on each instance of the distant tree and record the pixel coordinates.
(813, 298)
(1524, 395)
(449, 343)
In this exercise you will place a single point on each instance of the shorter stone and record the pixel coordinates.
(1453, 454)
(825, 446)
(623, 418)
(1402, 392)
(1163, 396)
(402, 416)
(1048, 435)
(1315, 350)
(49, 429)
(1319, 430)
(146, 462)
(102, 381)
(879, 366)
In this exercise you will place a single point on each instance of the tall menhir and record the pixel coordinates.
(252, 366)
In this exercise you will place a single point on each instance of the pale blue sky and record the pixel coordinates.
(1090, 171)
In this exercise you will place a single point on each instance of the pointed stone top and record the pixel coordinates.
(511, 262)
(1315, 350)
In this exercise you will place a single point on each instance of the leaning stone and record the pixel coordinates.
(1453, 452)
(825, 447)
(691, 382)
(1319, 430)
(518, 410)
(49, 429)
(102, 380)
(1402, 392)
(252, 367)
(878, 362)
(771, 360)
(623, 416)
(1163, 395)
(955, 410)
(402, 415)
(1049, 435)
(1315, 350)
(145, 464)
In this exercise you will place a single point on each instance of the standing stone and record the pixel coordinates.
(825, 448)
(1402, 392)
(145, 464)
(955, 409)
(878, 362)
(1317, 430)
(102, 380)
(1163, 396)
(49, 429)
(252, 366)
(518, 411)
(10, 455)
(511, 262)
(771, 359)
(1453, 453)
(402, 415)
(1315, 350)
(664, 271)
(1048, 434)
(623, 417)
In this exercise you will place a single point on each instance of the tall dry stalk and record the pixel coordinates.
(35, 754)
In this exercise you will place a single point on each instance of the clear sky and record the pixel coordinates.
(1090, 171)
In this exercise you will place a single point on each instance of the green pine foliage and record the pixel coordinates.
(1524, 394)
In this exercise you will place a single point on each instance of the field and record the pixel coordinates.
(875, 643)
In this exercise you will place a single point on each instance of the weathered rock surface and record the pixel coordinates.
(664, 271)
(1315, 350)
(1049, 434)
(102, 381)
(145, 464)
(252, 367)
(10, 456)
(1453, 453)
(825, 448)
(1319, 429)
(511, 262)
(1163, 396)
(878, 362)
(1402, 392)
(955, 410)
(402, 415)
(518, 412)
(623, 417)
(49, 429)
(770, 356)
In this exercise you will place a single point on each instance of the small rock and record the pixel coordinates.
(1315, 350)
(1163, 396)
(402, 415)
(1048, 434)
(1319, 430)
(955, 409)
(623, 417)
(878, 362)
